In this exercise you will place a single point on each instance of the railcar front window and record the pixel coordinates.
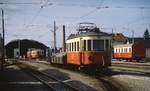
(98, 45)
(89, 45)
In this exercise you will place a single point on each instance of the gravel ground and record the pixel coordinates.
(80, 80)
(14, 79)
(134, 83)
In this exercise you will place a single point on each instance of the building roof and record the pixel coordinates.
(136, 39)
(27, 42)
(140, 40)
(119, 37)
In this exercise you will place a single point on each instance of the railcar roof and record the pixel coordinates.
(83, 34)
(123, 45)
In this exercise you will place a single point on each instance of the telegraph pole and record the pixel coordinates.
(3, 41)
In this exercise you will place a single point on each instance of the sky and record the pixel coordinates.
(33, 19)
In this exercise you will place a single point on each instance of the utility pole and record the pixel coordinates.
(3, 42)
(54, 37)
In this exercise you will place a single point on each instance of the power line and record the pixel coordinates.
(34, 17)
(16, 35)
(15, 3)
(91, 12)
(47, 3)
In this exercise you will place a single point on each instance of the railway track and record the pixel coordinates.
(130, 65)
(50, 81)
(107, 83)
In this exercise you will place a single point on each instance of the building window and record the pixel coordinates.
(98, 45)
(89, 45)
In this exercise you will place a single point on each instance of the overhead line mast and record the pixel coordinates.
(54, 37)
(3, 41)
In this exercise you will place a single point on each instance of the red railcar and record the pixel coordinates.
(35, 54)
(88, 47)
(129, 51)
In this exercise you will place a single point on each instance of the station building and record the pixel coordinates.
(20, 48)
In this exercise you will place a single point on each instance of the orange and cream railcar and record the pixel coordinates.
(89, 47)
(129, 51)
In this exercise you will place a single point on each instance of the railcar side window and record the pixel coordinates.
(130, 50)
(107, 44)
(72, 46)
(84, 43)
(98, 45)
(121, 49)
(89, 45)
(69, 46)
(125, 50)
(77, 46)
